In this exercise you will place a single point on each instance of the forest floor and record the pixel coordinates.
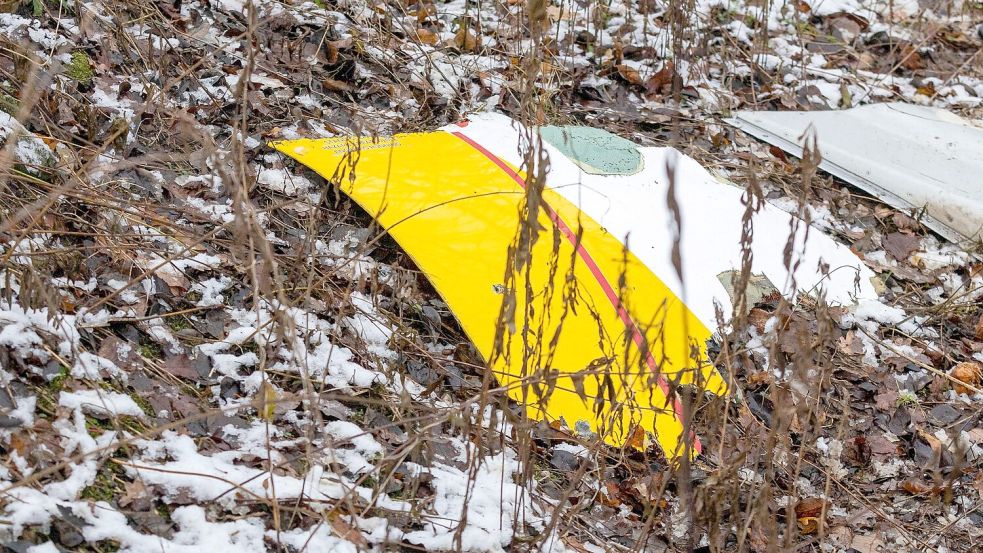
(203, 345)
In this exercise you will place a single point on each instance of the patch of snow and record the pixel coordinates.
(284, 182)
(218, 478)
(101, 402)
(368, 324)
(211, 291)
(25, 410)
(91, 366)
(488, 497)
(228, 364)
(195, 533)
(22, 329)
(319, 538)
(29, 150)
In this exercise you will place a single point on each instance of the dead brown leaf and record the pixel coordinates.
(778, 153)
(969, 374)
(466, 41)
(424, 11)
(927, 89)
(647, 489)
(610, 495)
(758, 317)
(881, 447)
(334, 85)
(808, 512)
(850, 344)
(845, 29)
(858, 451)
(266, 399)
(180, 366)
(760, 378)
(629, 74)
(170, 9)
(901, 245)
(916, 486)
(870, 543)
(637, 438)
(931, 457)
(955, 38)
(911, 59)
(348, 532)
(904, 222)
(19, 443)
(661, 82)
(426, 36)
(135, 496)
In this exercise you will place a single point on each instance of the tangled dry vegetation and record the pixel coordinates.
(205, 346)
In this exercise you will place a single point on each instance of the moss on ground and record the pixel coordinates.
(108, 485)
(48, 394)
(79, 68)
(151, 350)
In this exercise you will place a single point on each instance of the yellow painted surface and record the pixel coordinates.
(456, 213)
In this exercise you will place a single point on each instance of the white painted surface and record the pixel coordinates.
(635, 207)
(909, 156)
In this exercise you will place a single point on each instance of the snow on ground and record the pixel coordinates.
(102, 403)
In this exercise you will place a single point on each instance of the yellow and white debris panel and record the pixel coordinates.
(585, 319)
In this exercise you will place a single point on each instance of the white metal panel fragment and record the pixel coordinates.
(634, 209)
(908, 156)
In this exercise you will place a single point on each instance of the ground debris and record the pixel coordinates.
(203, 345)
